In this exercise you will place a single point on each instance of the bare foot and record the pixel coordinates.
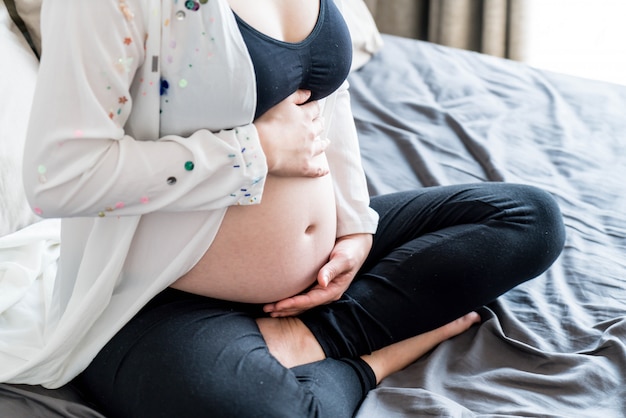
(290, 341)
(397, 356)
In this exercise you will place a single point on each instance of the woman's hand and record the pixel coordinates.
(333, 279)
(290, 134)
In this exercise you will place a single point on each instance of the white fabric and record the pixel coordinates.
(366, 39)
(28, 266)
(128, 232)
(29, 11)
(18, 67)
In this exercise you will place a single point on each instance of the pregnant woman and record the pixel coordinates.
(220, 254)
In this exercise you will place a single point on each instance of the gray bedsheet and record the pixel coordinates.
(555, 346)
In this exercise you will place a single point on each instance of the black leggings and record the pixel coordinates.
(438, 254)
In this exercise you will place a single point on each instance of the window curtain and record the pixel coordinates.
(495, 27)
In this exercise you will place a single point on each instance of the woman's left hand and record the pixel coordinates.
(333, 279)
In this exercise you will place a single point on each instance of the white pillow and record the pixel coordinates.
(366, 39)
(18, 67)
(30, 12)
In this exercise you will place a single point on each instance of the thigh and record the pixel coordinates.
(503, 230)
(192, 356)
(405, 216)
(172, 359)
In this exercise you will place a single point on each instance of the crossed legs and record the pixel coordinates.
(439, 254)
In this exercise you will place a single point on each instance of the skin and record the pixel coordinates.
(289, 135)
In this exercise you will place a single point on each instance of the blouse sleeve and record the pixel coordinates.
(353, 212)
(80, 161)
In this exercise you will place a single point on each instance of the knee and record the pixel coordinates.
(543, 215)
(546, 212)
(241, 380)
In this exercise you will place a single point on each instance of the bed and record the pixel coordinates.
(555, 346)
(430, 115)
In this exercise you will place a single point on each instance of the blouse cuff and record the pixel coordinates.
(253, 163)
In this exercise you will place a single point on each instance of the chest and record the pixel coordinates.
(219, 71)
(284, 20)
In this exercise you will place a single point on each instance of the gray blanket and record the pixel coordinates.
(555, 346)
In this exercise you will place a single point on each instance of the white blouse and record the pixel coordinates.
(142, 196)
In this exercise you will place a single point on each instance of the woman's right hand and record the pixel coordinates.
(290, 134)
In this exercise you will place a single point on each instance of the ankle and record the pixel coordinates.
(396, 357)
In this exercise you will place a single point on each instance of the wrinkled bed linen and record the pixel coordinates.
(555, 346)
(21, 401)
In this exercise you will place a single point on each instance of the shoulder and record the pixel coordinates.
(101, 13)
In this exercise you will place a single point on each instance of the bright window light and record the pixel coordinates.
(585, 38)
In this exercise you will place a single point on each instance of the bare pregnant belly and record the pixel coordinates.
(267, 252)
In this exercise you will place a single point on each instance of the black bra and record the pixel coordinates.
(320, 63)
